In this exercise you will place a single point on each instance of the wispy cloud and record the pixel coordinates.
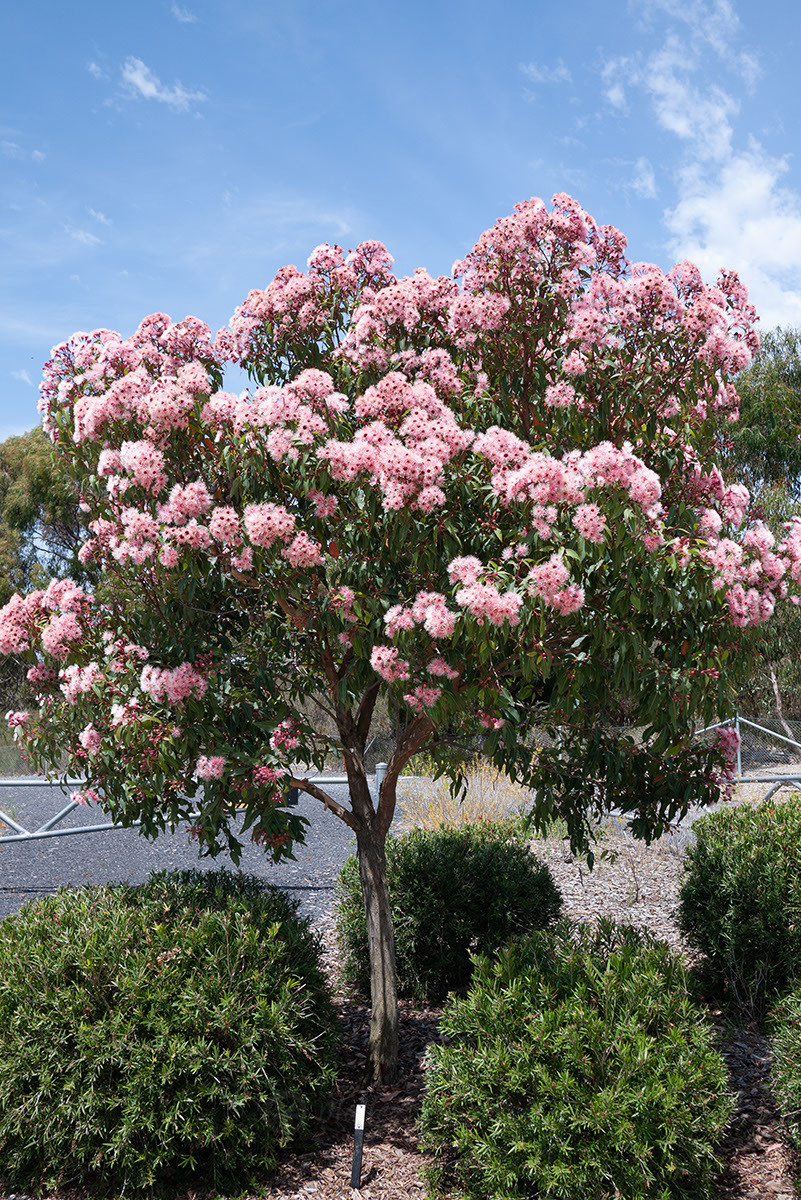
(145, 84)
(744, 219)
(537, 73)
(99, 216)
(183, 15)
(23, 377)
(732, 208)
(83, 236)
(96, 70)
(13, 150)
(644, 181)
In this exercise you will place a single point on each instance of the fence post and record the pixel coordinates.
(380, 772)
(739, 746)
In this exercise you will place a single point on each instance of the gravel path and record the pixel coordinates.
(31, 869)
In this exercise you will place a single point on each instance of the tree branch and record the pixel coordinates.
(344, 814)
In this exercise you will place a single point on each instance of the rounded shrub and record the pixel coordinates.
(785, 1072)
(153, 1034)
(577, 1066)
(740, 901)
(452, 891)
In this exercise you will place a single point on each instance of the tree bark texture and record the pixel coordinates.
(382, 1056)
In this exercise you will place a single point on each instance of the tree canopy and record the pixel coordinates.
(492, 501)
(763, 449)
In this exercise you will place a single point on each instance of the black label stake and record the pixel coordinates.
(358, 1142)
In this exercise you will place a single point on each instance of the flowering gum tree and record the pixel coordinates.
(490, 500)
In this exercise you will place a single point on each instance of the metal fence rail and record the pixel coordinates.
(48, 829)
(765, 755)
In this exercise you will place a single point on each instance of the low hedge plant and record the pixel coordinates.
(784, 1024)
(177, 1030)
(740, 902)
(452, 891)
(577, 1067)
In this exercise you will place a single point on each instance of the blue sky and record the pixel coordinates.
(171, 156)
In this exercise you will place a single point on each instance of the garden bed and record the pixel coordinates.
(639, 886)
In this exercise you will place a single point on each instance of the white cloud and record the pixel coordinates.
(23, 377)
(732, 209)
(183, 15)
(644, 181)
(95, 69)
(743, 219)
(14, 150)
(142, 82)
(697, 115)
(83, 236)
(539, 74)
(99, 216)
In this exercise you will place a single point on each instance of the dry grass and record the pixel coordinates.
(428, 804)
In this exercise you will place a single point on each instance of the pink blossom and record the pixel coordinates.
(590, 522)
(267, 523)
(439, 667)
(423, 697)
(59, 633)
(210, 768)
(465, 570)
(385, 662)
(145, 464)
(560, 395)
(173, 685)
(86, 796)
(342, 600)
(303, 551)
(285, 736)
(484, 601)
(90, 739)
(224, 526)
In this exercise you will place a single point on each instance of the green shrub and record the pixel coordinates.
(452, 891)
(155, 1033)
(578, 1067)
(740, 901)
(785, 1072)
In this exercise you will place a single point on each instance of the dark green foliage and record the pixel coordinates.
(577, 1065)
(451, 891)
(764, 446)
(740, 900)
(785, 1072)
(157, 1033)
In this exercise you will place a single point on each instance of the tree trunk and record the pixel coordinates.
(779, 710)
(382, 1056)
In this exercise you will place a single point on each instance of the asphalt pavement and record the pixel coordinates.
(34, 868)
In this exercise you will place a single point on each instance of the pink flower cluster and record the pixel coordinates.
(342, 599)
(21, 620)
(486, 603)
(74, 680)
(405, 449)
(267, 523)
(422, 698)
(90, 739)
(173, 684)
(429, 609)
(386, 662)
(285, 736)
(210, 768)
(550, 581)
